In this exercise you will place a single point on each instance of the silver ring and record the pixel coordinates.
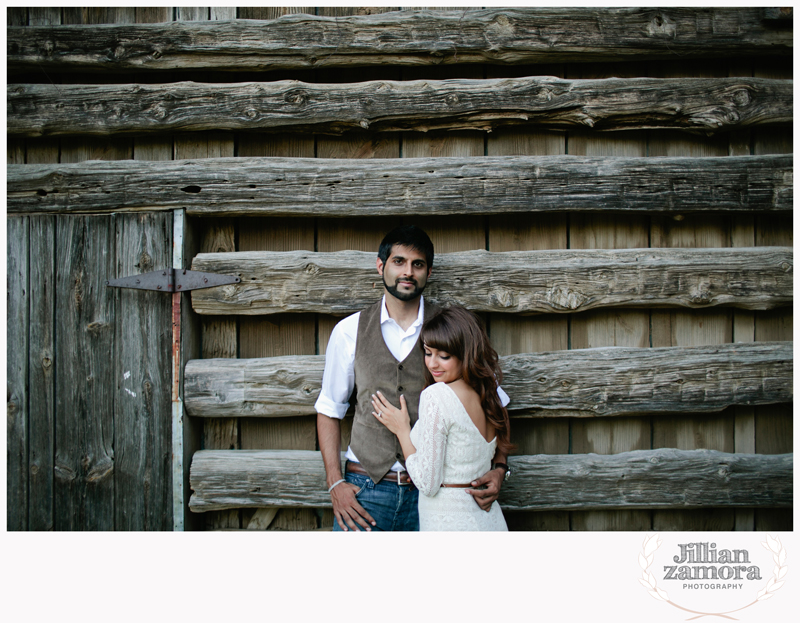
(380, 413)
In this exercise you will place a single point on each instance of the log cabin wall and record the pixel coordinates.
(761, 426)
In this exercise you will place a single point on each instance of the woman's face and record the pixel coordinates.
(444, 367)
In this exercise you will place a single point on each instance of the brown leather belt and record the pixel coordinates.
(404, 478)
(467, 486)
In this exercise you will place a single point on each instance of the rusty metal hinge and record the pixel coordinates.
(172, 280)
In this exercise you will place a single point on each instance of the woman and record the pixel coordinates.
(461, 423)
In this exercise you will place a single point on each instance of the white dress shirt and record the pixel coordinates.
(338, 379)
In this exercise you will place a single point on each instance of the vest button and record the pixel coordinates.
(399, 388)
(400, 367)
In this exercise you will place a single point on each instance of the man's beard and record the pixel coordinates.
(403, 296)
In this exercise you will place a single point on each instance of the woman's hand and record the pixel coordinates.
(396, 420)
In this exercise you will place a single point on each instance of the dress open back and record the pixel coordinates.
(450, 449)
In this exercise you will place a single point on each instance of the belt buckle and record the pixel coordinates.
(400, 476)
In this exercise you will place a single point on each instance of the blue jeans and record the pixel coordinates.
(392, 506)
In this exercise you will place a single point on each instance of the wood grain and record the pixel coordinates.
(506, 36)
(599, 382)
(41, 370)
(17, 388)
(774, 426)
(283, 334)
(629, 480)
(562, 282)
(512, 334)
(409, 186)
(85, 383)
(604, 327)
(143, 338)
(690, 104)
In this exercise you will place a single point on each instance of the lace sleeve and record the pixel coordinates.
(429, 436)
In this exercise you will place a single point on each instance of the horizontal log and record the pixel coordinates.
(596, 382)
(404, 186)
(643, 479)
(562, 281)
(704, 105)
(502, 36)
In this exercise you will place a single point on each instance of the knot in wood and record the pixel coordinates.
(48, 47)
(119, 52)
(251, 113)
(77, 295)
(503, 298)
(158, 111)
(100, 471)
(296, 96)
(786, 267)
(11, 408)
(701, 295)
(311, 269)
(501, 20)
(157, 54)
(561, 297)
(34, 469)
(731, 117)
(145, 262)
(741, 97)
(451, 99)
(64, 473)
(47, 363)
(661, 26)
(546, 94)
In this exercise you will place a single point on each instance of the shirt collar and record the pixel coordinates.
(420, 314)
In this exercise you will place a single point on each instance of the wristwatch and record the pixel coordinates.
(505, 467)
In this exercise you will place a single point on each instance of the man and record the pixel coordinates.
(377, 350)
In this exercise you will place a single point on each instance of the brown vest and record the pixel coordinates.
(376, 369)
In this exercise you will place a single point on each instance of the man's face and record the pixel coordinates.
(405, 272)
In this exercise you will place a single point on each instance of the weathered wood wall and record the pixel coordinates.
(89, 384)
(665, 478)
(327, 220)
(89, 380)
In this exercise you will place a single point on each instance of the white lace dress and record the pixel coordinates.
(449, 449)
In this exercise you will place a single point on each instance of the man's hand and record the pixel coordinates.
(349, 513)
(347, 510)
(493, 479)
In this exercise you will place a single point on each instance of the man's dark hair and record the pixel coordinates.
(407, 236)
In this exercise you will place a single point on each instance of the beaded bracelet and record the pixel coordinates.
(338, 482)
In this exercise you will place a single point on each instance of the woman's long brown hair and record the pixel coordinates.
(460, 333)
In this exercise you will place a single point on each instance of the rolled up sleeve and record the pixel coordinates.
(338, 378)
